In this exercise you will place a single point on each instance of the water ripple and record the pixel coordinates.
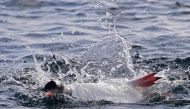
(157, 31)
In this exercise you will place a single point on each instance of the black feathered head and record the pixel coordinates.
(50, 86)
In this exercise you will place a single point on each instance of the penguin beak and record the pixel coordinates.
(48, 93)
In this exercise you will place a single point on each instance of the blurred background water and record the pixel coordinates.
(102, 38)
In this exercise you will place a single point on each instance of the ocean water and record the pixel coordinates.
(86, 41)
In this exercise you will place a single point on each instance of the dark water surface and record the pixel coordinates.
(69, 39)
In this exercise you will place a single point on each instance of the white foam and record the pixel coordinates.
(116, 90)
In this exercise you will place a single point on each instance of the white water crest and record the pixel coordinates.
(115, 90)
(111, 57)
(110, 61)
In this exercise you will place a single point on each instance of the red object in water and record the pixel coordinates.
(48, 93)
(145, 81)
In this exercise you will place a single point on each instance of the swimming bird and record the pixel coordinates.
(107, 90)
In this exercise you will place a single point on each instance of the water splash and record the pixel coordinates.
(115, 90)
(40, 75)
(126, 53)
